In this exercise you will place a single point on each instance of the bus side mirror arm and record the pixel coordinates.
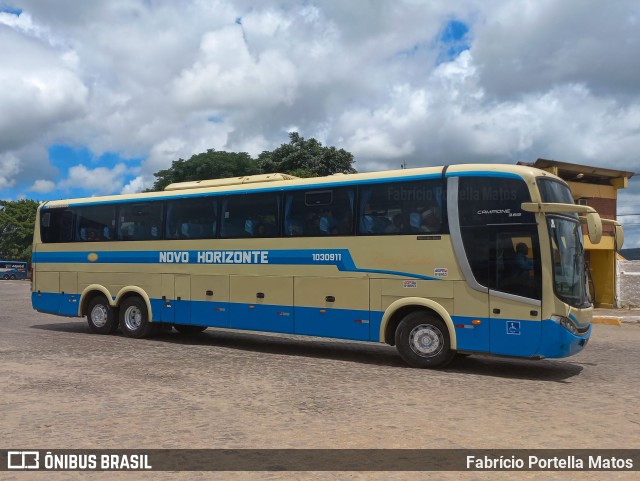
(590, 217)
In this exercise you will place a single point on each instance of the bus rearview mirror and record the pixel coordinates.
(594, 227)
(619, 238)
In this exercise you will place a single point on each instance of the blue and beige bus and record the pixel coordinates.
(438, 261)
(13, 270)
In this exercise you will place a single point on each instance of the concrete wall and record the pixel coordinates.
(628, 283)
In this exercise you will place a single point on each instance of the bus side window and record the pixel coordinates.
(251, 215)
(315, 213)
(191, 218)
(401, 208)
(140, 221)
(56, 225)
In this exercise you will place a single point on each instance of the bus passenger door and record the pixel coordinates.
(210, 301)
(515, 290)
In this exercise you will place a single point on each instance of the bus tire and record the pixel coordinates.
(423, 341)
(189, 330)
(134, 318)
(102, 319)
(6, 277)
(12, 277)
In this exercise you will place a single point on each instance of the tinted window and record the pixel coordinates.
(319, 212)
(401, 208)
(95, 223)
(486, 200)
(56, 225)
(191, 218)
(554, 191)
(514, 257)
(250, 215)
(140, 221)
(500, 240)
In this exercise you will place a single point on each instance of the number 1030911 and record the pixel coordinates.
(329, 257)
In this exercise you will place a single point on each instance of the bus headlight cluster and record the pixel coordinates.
(567, 323)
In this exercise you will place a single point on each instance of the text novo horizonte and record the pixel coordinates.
(214, 257)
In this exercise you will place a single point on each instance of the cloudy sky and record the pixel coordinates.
(96, 96)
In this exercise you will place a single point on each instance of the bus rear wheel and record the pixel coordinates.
(422, 340)
(134, 318)
(12, 277)
(101, 317)
(6, 277)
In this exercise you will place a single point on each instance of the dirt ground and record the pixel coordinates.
(65, 388)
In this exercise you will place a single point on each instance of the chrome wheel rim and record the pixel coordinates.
(426, 340)
(133, 318)
(99, 315)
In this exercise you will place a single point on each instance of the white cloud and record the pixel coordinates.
(9, 167)
(161, 81)
(43, 186)
(526, 46)
(38, 88)
(137, 185)
(226, 75)
(98, 181)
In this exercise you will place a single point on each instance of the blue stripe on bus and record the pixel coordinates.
(341, 258)
(545, 339)
(46, 302)
(311, 321)
(336, 323)
(556, 341)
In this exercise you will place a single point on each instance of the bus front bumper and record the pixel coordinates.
(556, 341)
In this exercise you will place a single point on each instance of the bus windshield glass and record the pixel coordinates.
(569, 277)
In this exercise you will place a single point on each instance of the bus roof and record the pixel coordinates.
(270, 182)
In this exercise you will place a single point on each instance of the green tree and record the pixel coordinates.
(306, 158)
(17, 219)
(211, 164)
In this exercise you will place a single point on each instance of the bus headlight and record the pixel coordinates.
(567, 323)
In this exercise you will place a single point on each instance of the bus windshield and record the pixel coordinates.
(569, 276)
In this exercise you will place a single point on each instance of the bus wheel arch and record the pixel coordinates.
(89, 293)
(398, 310)
(130, 291)
(135, 313)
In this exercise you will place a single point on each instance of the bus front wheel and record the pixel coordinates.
(422, 340)
(101, 317)
(134, 318)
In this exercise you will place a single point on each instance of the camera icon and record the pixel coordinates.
(23, 459)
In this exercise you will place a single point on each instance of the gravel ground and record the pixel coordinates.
(65, 388)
